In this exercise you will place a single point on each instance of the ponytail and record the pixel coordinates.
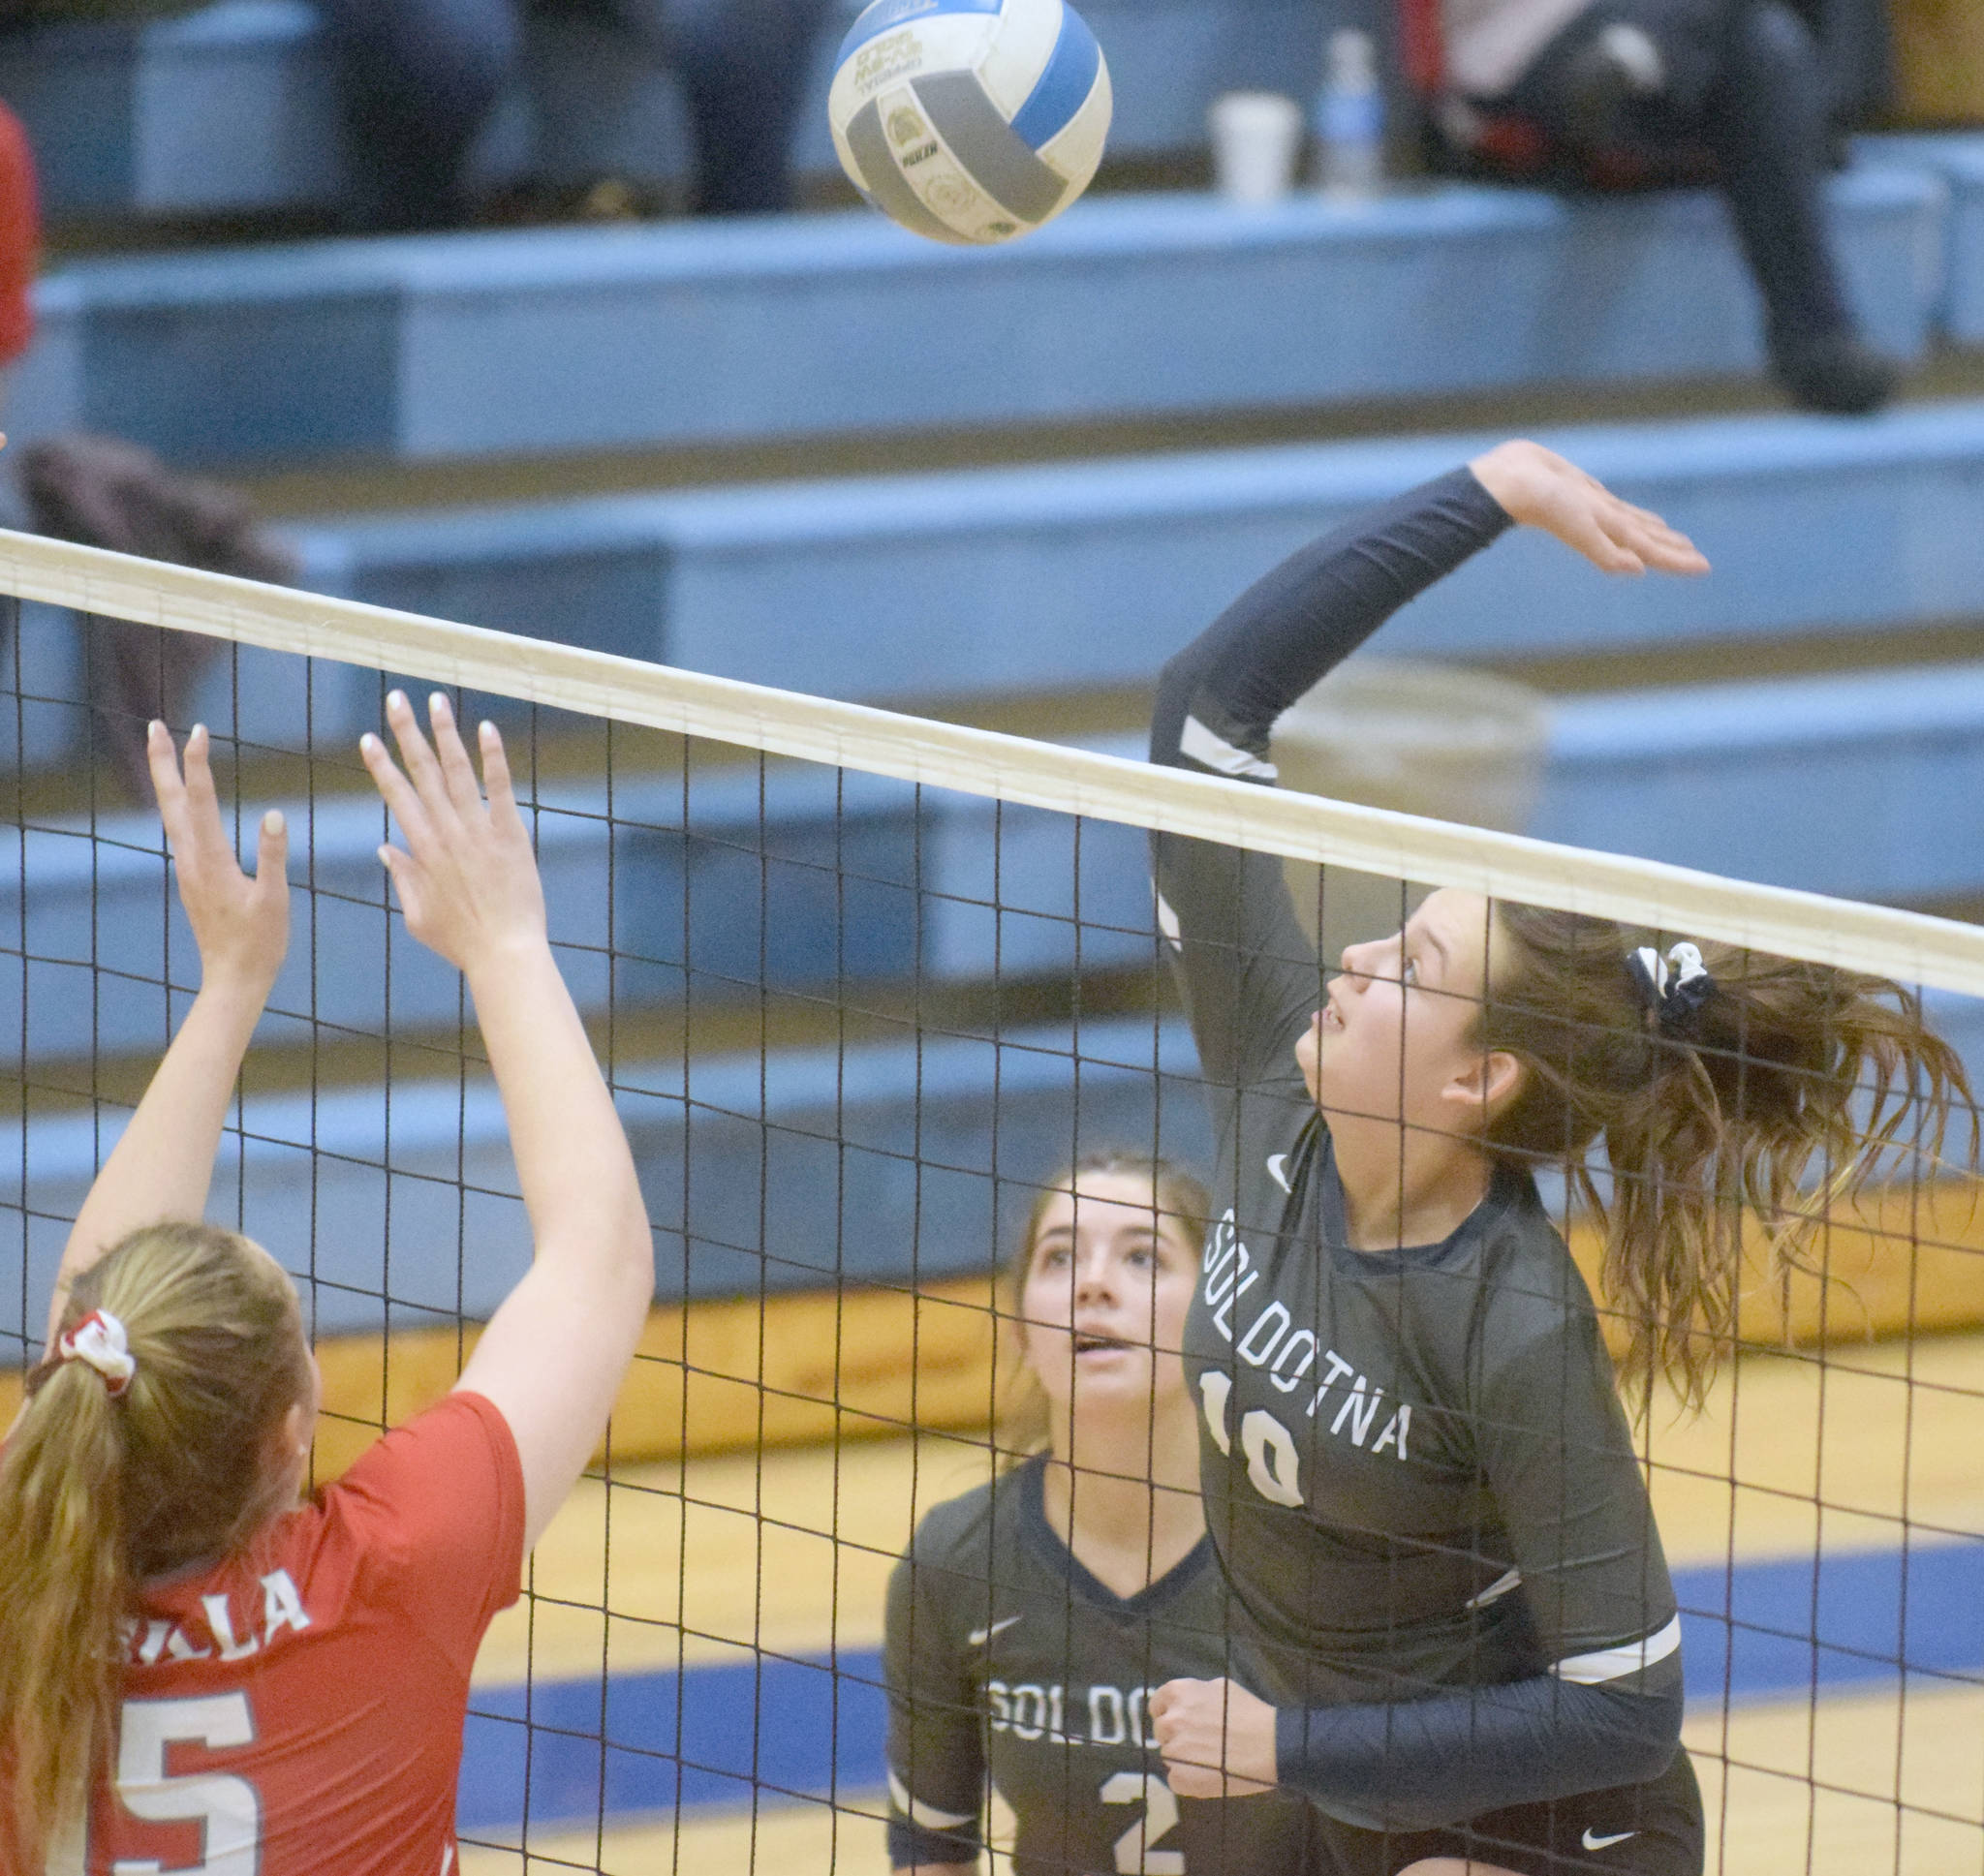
(62, 1585)
(100, 1491)
(1769, 1095)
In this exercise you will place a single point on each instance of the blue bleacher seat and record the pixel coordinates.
(229, 108)
(887, 1162)
(1087, 573)
(892, 1162)
(455, 347)
(1864, 784)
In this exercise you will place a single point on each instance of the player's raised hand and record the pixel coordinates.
(240, 923)
(1541, 489)
(467, 878)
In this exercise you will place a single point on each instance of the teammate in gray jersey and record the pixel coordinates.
(1032, 1618)
(1462, 1639)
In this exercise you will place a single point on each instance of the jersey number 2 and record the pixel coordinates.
(1159, 1818)
(225, 1807)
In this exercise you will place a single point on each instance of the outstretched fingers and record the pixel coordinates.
(167, 785)
(467, 878)
(239, 925)
(1655, 541)
(1592, 527)
(399, 794)
(189, 805)
(202, 797)
(422, 767)
(1541, 489)
(272, 856)
(496, 782)
(457, 772)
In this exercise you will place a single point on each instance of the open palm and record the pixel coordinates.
(1541, 489)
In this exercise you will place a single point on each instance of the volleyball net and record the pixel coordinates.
(864, 986)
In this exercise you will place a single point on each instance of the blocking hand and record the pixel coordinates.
(241, 925)
(467, 880)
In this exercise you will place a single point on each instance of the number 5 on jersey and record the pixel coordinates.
(226, 1809)
(1268, 1444)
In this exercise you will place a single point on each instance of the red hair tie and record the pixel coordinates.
(98, 1342)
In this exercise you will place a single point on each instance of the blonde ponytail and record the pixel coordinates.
(99, 1492)
(62, 1585)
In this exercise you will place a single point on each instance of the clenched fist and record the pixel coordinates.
(1218, 1739)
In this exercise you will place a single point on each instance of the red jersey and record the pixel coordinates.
(21, 239)
(298, 1710)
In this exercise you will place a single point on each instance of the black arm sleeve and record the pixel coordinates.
(936, 1750)
(1424, 1763)
(1248, 971)
(1557, 1457)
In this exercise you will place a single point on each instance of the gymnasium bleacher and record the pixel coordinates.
(458, 348)
(696, 444)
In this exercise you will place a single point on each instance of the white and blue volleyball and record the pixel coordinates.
(970, 121)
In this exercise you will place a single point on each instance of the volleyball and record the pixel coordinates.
(970, 121)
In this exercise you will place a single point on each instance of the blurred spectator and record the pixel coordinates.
(110, 494)
(20, 240)
(44, 12)
(1614, 94)
(422, 77)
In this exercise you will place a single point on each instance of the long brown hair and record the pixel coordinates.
(98, 1493)
(1784, 1072)
(1021, 1428)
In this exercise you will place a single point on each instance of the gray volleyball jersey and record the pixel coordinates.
(1008, 1664)
(1416, 1468)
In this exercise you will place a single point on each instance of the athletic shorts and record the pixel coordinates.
(1650, 1830)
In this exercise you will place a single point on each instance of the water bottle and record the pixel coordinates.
(1349, 119)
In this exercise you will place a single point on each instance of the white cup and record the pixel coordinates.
(1257, 135)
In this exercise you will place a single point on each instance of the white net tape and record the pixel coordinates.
(1910, 946)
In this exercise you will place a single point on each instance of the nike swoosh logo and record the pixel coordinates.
(979, 1637)
(1278, 1171)
(1606, 1843)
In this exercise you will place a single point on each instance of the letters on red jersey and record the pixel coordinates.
(299, 1707)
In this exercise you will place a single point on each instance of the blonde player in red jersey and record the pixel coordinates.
(198, 1672)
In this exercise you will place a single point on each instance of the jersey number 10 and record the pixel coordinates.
(1270, 1450)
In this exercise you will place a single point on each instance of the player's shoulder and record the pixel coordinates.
(451, 1468)
(462, 1429)
(966, 1530)
(1533, 1297)
(1505, 1279)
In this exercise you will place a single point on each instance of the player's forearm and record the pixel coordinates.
(163, 1165)
(1308, 615)
(1417, 1765)
(572, 1161)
